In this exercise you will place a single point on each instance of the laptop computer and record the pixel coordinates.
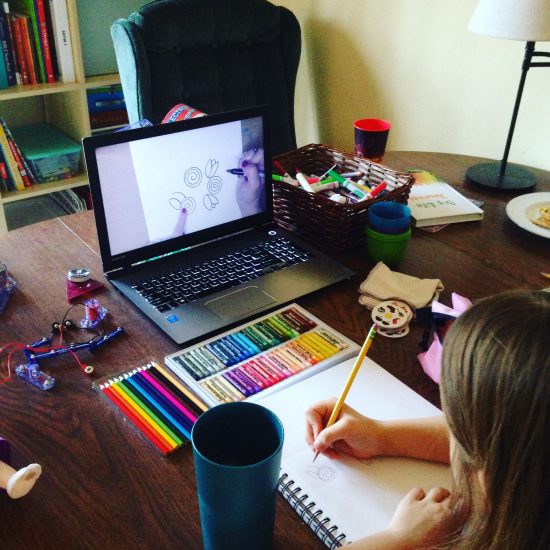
(185, 236)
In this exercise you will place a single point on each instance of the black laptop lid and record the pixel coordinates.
(161, 189)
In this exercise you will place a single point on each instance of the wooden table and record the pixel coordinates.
(103, 486)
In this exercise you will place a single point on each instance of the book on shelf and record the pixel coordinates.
(11, 163)
(4, 83)
(14, 50)
(435, 202)
(7, 46)
(19, 49)
(28, 8)
(44, 40)
(5, 181)
(346, 499)
(62, 39)
(28, 48)
(25, 170)
(108, 118)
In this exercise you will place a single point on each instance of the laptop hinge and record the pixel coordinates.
(123, 270)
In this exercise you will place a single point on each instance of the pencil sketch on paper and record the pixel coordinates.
(192, 177)
(211, 168)
(214, 185)
(210, 201)
(178, 201)
(322, 473)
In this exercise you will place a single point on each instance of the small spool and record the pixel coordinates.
(88, 369)
(79, 275)
(393, 318)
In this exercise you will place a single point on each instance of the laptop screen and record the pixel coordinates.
(163, 188)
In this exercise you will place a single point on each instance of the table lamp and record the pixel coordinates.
(526, 20)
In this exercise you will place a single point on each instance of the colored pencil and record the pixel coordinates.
(150, 434)
(179, 396)
(340, 403)
(145, 414)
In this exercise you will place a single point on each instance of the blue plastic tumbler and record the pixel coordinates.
(237, 449)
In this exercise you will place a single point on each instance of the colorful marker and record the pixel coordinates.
(240, 171)
(349, 185)
(286, 178)
(377, 190)
(302, 180)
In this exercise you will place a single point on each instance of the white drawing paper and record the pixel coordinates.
(188, 169)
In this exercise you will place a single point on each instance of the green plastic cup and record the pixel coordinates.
(389, 249)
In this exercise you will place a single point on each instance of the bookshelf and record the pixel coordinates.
(62, 105)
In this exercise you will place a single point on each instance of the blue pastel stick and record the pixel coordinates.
(247, 342)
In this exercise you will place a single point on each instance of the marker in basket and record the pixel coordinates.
(377, 190)
(340, 199)
(322, 186)
(280, 168)
(346, 184)
(331, 168)
(340, 403)
(302, 180)
(355, 174)
(286, 178)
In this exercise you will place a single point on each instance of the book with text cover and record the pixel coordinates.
(434, 202)
(347, 499)
(62, 40)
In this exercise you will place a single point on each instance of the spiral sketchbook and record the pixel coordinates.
(347, 499)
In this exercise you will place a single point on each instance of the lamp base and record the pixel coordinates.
(515, 177)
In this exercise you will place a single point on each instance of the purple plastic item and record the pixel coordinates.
(5, 451)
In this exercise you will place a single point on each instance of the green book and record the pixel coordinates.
(27, 7)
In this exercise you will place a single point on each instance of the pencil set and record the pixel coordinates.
(260, 357)
(156, 403)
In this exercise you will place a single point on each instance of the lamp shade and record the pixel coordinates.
(526, 20)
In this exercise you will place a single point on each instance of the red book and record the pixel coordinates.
(44, 40)
(15, 152)
(19, 51)
(27, 47)
(106, 119)
(24, 169)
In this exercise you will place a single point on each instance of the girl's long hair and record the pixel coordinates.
(495, 387)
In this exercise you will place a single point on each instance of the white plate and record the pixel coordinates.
(521, 209)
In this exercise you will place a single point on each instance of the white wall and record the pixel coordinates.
(415, 63)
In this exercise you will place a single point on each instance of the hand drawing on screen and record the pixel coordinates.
(250, 184)
(185, 206)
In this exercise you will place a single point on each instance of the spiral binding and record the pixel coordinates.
(313, 517)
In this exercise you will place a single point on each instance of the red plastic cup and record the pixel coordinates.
(371, 136)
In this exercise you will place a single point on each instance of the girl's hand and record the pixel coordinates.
(352, 433)
(421, 521)
(179, 228)
(249, 185)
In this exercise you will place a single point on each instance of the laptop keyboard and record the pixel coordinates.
(167, 291)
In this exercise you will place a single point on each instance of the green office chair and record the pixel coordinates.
(214, 55)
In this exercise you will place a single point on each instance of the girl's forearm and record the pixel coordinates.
(423, 438)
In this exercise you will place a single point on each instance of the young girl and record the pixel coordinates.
(495, 389)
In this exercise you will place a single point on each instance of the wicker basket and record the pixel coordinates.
(314, 217)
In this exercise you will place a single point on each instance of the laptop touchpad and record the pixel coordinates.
(239, 303)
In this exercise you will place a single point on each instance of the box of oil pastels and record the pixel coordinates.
(261, 357)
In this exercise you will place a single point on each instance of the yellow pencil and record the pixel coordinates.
(340, 403)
